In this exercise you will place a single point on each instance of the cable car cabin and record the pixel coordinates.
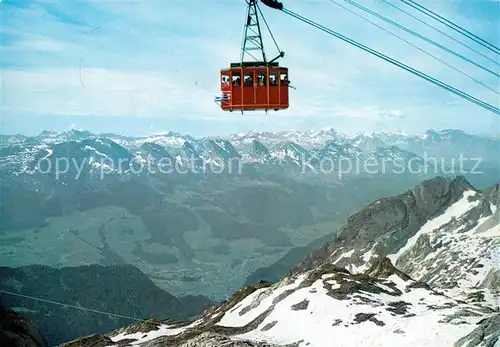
(254, 86)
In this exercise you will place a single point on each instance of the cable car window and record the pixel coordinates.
(236, 79)
(225, 80)
(261, 79)
(284, 78)
(273, 79)
(248, 79)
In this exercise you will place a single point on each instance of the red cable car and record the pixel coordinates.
(255, 85)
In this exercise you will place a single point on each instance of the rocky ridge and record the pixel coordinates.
(425, 260)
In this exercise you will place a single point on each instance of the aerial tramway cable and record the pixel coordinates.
(73, 306)
(440, 31)
(452, 25)
(411, 44)
(395, 62)
(279, 6)
(402, 27)
(269, 29)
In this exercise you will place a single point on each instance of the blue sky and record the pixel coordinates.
(138, 67)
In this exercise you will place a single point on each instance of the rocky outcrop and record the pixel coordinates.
(494, 194)
(487, 334)
(383, 268)
(16, 331)
(90, 341)
(217, 340)
(145, 326)
(388, 223)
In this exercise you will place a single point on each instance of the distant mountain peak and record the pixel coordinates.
(259, 149)
(165, 133)
(285, 149)
(47, 132)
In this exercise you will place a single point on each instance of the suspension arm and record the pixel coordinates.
(273, 4)
(281, 55)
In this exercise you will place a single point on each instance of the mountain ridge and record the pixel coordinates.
(333, 299)
(450, 190)
(305, 153)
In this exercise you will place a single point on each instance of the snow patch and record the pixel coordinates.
(263, 300)
(454, 211)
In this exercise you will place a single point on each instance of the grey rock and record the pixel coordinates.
(494, 194)
(301, 305)
(269, 326)
(217, 340)
(94, 340)
(16, 331)
(361, 317)
(487, 334)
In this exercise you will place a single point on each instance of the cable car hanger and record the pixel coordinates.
(279, 6)
(252, 38)
(256, 84)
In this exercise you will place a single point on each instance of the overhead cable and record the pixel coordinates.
(440, 31)
(453, 26)
(411, 44)
(268, 28)
(70, 306)
(395, 62)
(421, 37)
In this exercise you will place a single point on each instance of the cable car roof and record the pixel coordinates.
(255, 64)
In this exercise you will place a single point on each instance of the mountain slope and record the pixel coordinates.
(329, 306)
(324, 307)
(359, 222)
(349, 293)
(486, 334)
(16, 331)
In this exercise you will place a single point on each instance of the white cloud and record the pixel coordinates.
(371, 112)
(94, 91)
(45, 45)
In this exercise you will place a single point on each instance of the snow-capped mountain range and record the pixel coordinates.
(326, 150)
(418, 269)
